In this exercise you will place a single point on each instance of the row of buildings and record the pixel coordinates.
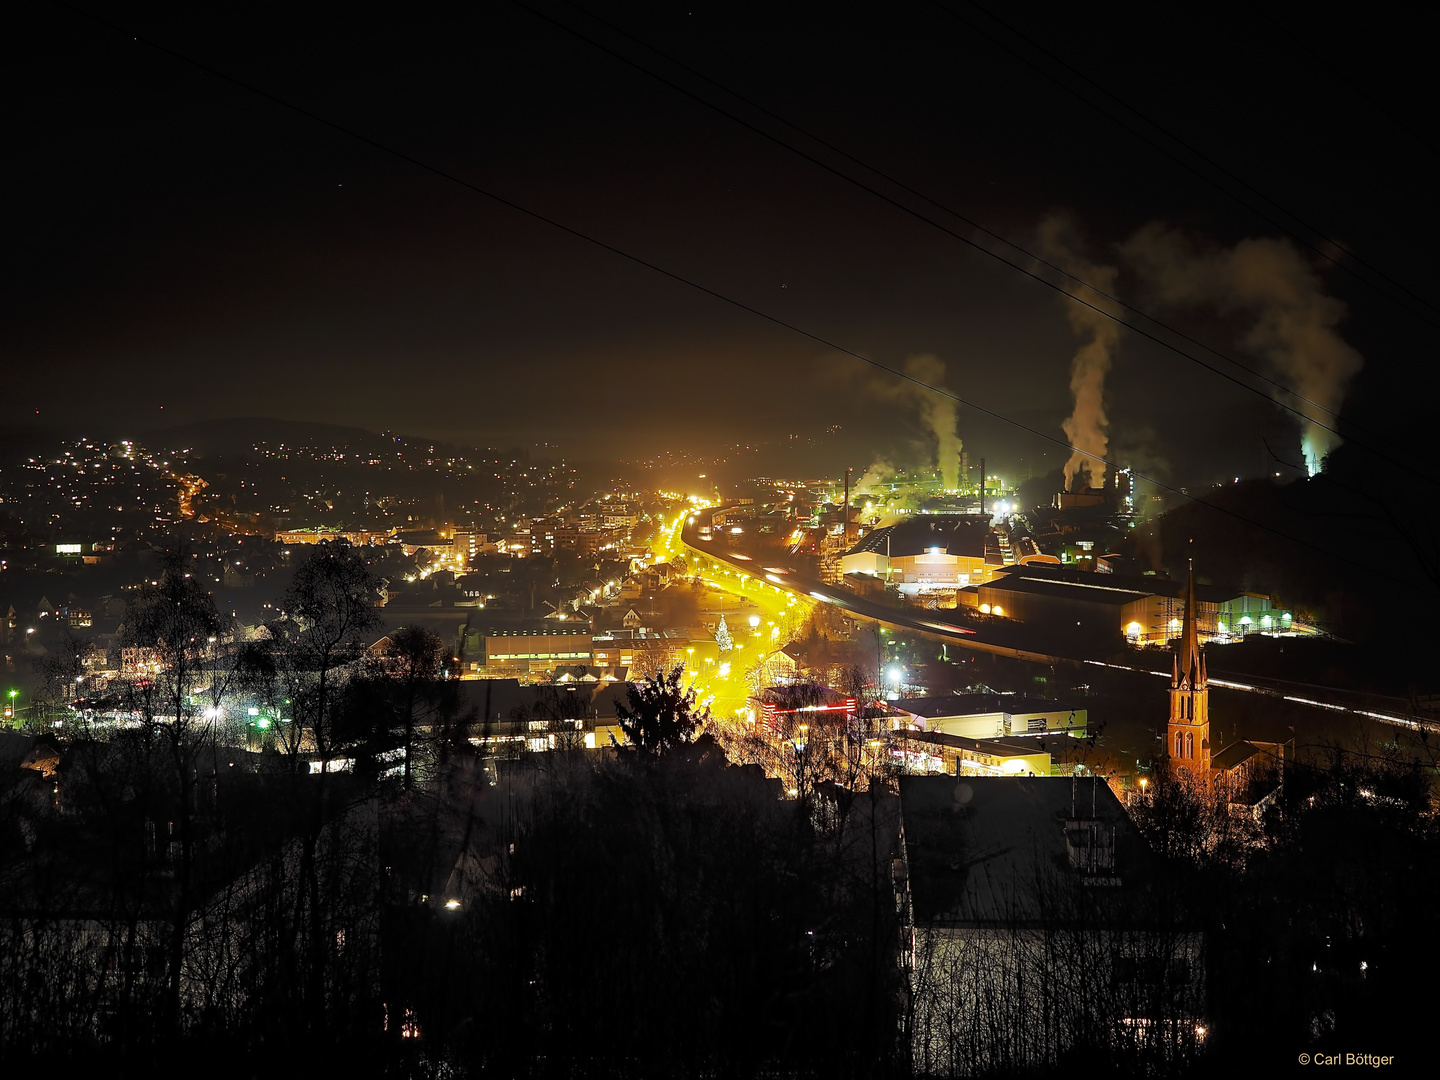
(1144, 610)
(996, 570)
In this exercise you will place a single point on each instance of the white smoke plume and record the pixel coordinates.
(873, 479)
(938, 412)
(1086, 427)
(1294, 324)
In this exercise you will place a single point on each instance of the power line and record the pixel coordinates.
(1210, 162)
(637, 260)
(1340, 74)
(926, 198)
(1300, 413)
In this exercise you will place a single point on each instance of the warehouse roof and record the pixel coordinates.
(955, 534)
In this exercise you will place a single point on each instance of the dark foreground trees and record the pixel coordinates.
(1311, 910)
(657, 916)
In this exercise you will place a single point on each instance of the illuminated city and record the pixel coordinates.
(679, 542)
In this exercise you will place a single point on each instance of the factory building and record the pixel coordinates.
(537, 649)
(656, 650)
(929, 553)
(1143, 610)
(960, 756)
(989, 716)
(1104, 606)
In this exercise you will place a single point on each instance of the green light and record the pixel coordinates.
(262, 723)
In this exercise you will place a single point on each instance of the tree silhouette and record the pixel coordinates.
(176, 620)
(330, 604)
(662, 714)
(412, 659)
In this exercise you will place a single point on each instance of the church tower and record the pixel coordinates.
(1187, 737)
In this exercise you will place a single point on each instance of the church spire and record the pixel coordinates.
(1191, 664)
(1187, 737)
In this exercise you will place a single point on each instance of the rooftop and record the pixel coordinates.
(1015, 851)
(957, 534)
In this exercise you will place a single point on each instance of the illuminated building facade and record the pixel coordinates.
(1144, 610)
(930, 552)
(537, 649)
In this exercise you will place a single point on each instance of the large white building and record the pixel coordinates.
(929, 553)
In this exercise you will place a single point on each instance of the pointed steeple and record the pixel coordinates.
(1191, 665)
(1187, 737)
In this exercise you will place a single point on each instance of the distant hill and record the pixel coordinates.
(238, 434)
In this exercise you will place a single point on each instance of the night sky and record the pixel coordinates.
(175, 239)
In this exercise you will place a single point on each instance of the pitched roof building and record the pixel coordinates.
(1038, 929)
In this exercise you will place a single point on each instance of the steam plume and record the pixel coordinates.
(1086, 427)
(938, 413)
(874, 477)
(1294, 324)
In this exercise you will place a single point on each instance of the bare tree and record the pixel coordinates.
(175, 621)
(61, 672)
(329, 605)
(412, 661)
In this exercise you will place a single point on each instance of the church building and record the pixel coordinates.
(1250, 771)
(1187, 737)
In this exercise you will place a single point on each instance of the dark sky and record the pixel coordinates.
(173, 239)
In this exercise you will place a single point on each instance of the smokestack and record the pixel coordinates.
(982, 487)
(846, 519)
